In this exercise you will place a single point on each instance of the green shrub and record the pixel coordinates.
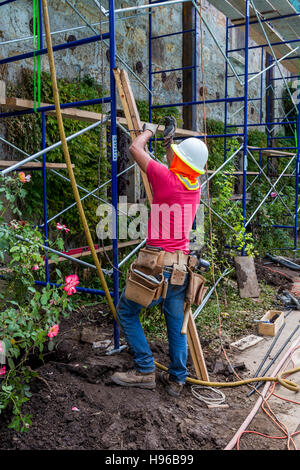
(28, 312)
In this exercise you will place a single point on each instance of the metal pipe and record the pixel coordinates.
(222, 166)
(132, 253)
(188, 103)
(268, 353)
(217, 42)
(201, 307)
(269, 181)
(246, 91)
(52, 147)
(114, 168)
(6, 1)
(44, 156)
(63, 255)
(108, 44)
(273, 65)
(90, 193)
(78, 289)
(297, 136)
(68, 159)
(273, 53)
(259, 206)
(77, 28)
(52, 108)
(58, 47)
(274, 359)
(127, 257)
(152, 5)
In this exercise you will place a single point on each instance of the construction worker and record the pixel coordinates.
(176, 184)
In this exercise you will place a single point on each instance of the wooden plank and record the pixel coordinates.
(284, 7)
(273, 152)
(264, 7)
(196, 350)
(78, 114)
(226, 8)
(87, 252)
(132, 115)
(256, 33)
(8, 163)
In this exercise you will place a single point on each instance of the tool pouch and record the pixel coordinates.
(196, 289)
(148, 258)
(141, 289)
(179, 274)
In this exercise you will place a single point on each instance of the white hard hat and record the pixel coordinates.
(193, 152)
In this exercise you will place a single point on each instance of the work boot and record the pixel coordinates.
(133, 378)
(173, 388)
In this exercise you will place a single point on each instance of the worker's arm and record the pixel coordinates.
(137, 150)
(169, 155)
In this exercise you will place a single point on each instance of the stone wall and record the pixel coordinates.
(132, 44)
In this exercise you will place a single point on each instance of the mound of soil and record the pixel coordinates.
(274, 275)
(76, 406)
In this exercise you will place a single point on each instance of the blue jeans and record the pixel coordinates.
(173, 308)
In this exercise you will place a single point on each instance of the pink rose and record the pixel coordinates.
(62, 227)
(3, 371)
(35, 267)
(273, 194)
(71, 281)
(53, 331)
(24, 178)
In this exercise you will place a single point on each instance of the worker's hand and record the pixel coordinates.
(149, 126)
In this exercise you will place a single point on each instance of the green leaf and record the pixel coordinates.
(11, 363)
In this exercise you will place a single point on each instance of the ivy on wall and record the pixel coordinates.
(26, 133)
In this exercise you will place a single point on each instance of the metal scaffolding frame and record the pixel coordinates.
(240, 10)
(245, 20)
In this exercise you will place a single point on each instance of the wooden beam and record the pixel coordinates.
(132, 116)
(78, 114)
(272, 152)
(8, 163)
(87, 252)
(196, 350)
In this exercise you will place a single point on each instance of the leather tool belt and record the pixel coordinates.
(145, 279)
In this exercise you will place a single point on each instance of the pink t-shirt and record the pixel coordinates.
(173, 209)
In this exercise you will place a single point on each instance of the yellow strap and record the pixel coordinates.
(187, 183)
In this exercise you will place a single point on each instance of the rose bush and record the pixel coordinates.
(29, 312)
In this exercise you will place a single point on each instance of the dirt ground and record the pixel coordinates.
(75, 406)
